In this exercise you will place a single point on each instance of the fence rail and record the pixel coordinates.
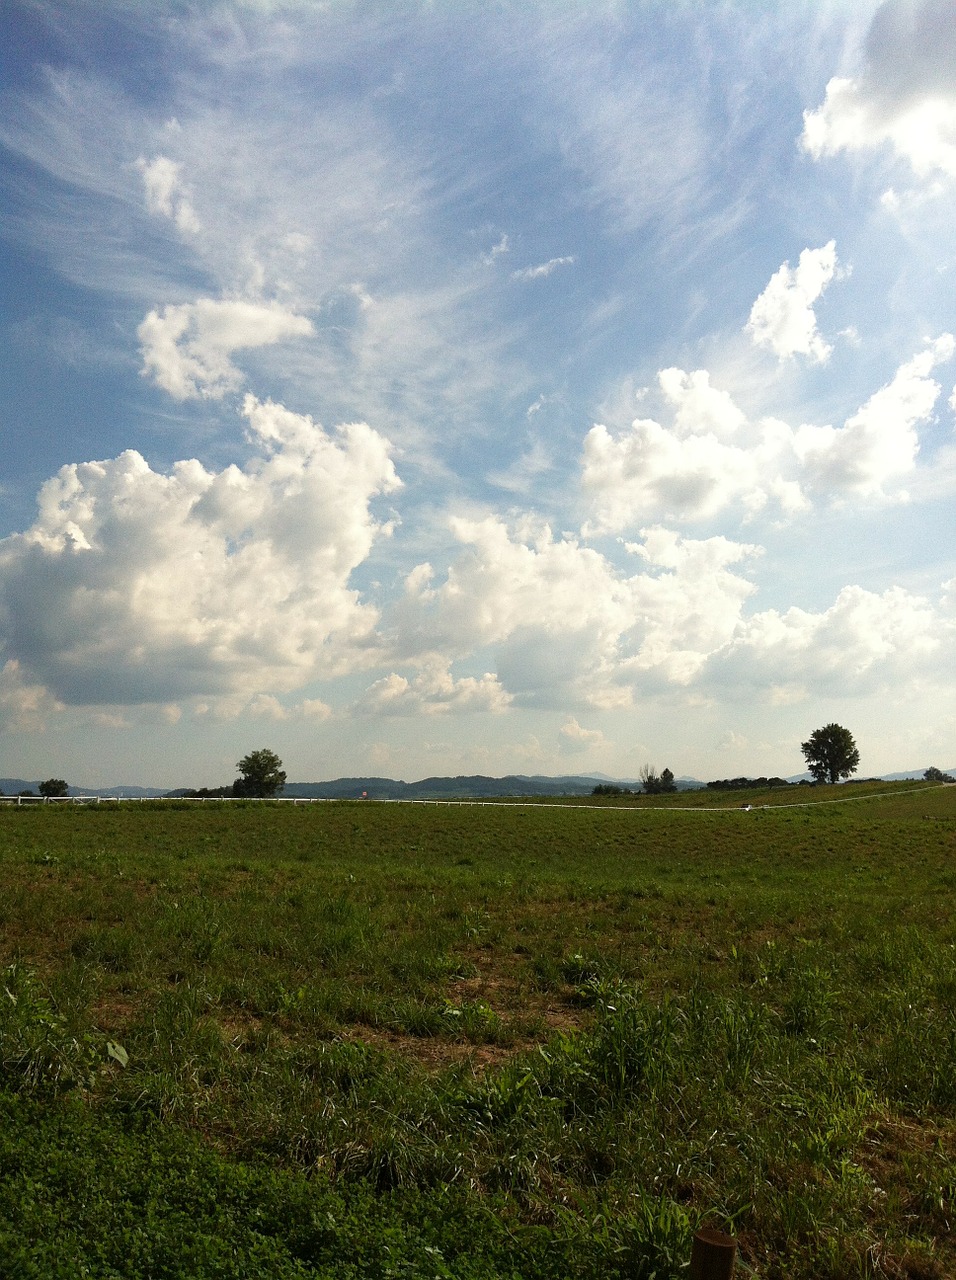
(26, 800)
(512, 801)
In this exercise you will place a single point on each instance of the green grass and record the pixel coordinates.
(480, 1041)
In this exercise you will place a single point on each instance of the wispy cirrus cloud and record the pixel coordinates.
(543, 270)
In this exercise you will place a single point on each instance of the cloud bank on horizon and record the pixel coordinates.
(454, 390)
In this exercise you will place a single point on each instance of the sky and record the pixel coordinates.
(449, 388)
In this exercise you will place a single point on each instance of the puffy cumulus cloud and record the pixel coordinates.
(166, 193)
(314, 709)
(573, 738)
(186, 348)
(782, 317)
(864, 643)
(905, 95)
(433, 691)
(879, 443)
(710, 457)
(567, 628)
(266, 706)
(136, 587)
(24, 705)
(651, 472)
(689, 605)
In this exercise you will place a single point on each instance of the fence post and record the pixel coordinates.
(712, 1255)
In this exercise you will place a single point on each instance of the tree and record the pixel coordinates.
(261, 775)
(654, 783)
(936, 775)
(53, 787)
(650, 782)
(831, 753)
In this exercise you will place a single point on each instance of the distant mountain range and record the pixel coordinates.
(473, 786)
(470, 786)
(12, 786)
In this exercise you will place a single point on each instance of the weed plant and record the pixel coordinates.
(478, 1042)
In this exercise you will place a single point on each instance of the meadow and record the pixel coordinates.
(480, 1042)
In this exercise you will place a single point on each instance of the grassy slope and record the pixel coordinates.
(477, 1042)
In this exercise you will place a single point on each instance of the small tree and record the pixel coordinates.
(933, 774)
(831, 753)
(53, 787)
(261, 775)
(654, 783)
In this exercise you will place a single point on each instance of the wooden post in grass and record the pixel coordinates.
(712, 1255)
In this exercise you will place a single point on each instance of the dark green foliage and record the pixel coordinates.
(743, 784)
(657, 784)
(261, 775)
(831, 753)
(53, 787)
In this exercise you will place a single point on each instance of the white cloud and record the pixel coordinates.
(265, 706)
(314, 709)
(782, 317)
(905, 95)
(186, 348)
(566, 627)
(166, 194)
(852, 118)
(712, 458)
(573, 738)
(135, 586)
(864, 643)
(650, 472)
(496, 250)
(24, 705)
(542, 270)
(709, 459)
(879, 443)
(433, 691)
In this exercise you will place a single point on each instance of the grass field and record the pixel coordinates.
(480, 1042)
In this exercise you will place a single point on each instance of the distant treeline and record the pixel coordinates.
(741, 784)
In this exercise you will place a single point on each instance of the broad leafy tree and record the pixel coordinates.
(53, 787)
(831, 753)
(261, 775)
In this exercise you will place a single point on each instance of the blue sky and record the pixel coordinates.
(452, 388)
